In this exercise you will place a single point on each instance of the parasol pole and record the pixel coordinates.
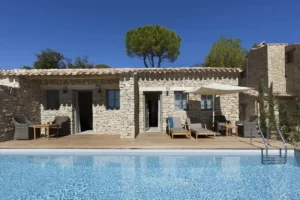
(213, 119)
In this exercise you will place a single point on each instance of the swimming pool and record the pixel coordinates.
(145, 175)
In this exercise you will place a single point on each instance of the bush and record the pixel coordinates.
(262, 111)
(292, 138)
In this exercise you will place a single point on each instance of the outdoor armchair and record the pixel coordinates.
(218, 121)
(250, 127)
(63, 126)
(23, 128)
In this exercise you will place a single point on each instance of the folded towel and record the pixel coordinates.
(171, 123)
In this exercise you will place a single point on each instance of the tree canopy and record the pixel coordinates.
(80, 63)
(26, 67)
(49, 59)
(102, 66)
(254, 45)
(226, 52)
(153, 44)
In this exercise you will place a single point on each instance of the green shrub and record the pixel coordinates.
(262, 111)
(293, 138)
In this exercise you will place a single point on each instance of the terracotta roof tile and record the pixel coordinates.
(113, 71)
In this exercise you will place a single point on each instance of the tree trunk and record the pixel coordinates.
(145, 62)
(159, 62)
(152, 61)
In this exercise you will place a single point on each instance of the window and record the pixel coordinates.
(52, 100)
(113, 99)
(289, 56)
(180, 101)
(206, 102)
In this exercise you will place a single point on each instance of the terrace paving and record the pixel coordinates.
(143, 141)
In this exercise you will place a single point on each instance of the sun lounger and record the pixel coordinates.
(175, 127)
(195, 127)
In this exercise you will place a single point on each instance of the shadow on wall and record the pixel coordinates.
(16, 101)
(204, 116)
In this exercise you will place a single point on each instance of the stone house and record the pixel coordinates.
(272, 63)
(113, 101)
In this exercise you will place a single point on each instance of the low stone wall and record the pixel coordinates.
(17, 97)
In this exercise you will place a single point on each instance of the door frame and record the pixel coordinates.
(159, 110)
(76, 109)
(146, 112)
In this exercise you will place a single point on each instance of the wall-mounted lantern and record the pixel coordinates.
(65, 89)
(99, 89)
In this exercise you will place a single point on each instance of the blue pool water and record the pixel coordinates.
(146, 177)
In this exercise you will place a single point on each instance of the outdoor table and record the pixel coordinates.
(47, 129)
(227, 127)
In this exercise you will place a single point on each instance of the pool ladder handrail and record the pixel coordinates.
(283, 141)
(264, 141)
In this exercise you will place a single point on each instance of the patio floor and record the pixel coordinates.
(143, 141)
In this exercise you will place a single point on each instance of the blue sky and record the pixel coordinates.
(97, 28)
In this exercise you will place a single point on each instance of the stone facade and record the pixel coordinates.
(127, 107)
(276, 67)
(104, 121)
(293, 70)
(167, 85)
(248, 106)
(27, 96)
(270, 63)
(267, 63)
(256, 68)
(17, 97)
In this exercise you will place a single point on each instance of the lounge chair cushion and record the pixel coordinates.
(178, 130)
(201, 130)
(170, 121)
(194, 126)
(177, 122)
(60, 119)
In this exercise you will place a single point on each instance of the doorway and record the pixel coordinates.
(83, 111)
(152, 111)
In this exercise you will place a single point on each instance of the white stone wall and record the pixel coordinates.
(12, 82)
(65, 108)
(104, 121)
(276, 67)
(112, 121)
(127, 107)
(171, 83)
